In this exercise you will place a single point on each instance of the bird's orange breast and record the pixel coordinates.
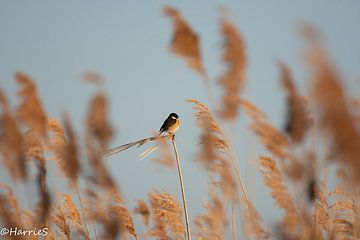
(174, 126)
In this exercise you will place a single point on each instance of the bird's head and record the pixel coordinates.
(173, 116)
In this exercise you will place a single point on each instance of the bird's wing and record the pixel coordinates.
(168, 122)
(163, 126)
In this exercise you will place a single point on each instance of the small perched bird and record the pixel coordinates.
(171, 124)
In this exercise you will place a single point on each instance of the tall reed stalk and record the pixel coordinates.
(182, 188)
(82, 209)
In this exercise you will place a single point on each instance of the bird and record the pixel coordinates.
(171, 124)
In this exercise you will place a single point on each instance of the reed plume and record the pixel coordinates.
(211, 224)
(63, 143)
(298, 119)
(67, 218)
(10, 211)
(30, 110)
(31, 113)
(185, 42)
(233, 79)
(254, 223)
(167, 216)
(11, 140)
(144, 211)
(343, 213)
(60, 221)
(98, 134)
(274, 180)
(335, 119)
(252, 110)
(97, 124)
(271, 138)
(106, 210)
(126, 221)
(213, 155)
(321, 213)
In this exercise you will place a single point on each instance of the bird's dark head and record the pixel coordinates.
(173, 115)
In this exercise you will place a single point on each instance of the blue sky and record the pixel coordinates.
(126, 42)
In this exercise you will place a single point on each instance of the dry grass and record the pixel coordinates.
(167, 217)
(274, 180)
(298, 119)
(211, 224)
(11, 142)
(233, 79)
(185, 42)
(213, 155)
(143, 210)
(321, 130)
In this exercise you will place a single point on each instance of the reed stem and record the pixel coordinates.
(82, 209)
(182, 188)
